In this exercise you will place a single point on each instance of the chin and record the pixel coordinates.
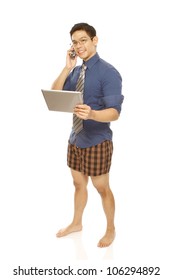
(81, 56)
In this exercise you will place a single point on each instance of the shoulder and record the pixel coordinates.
(108, 66)
(74, 72)
(107, 71)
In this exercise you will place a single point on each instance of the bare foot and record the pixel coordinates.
(71, 228)
(107, 239)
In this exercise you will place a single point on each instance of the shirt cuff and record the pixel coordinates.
(112, 101)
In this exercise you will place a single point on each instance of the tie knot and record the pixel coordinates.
(84, 67)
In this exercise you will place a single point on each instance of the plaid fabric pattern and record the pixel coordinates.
(92, 161)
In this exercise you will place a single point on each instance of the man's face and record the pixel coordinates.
(84, 46)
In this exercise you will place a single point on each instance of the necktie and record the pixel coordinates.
(77, 122)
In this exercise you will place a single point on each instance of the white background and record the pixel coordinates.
(36, 195)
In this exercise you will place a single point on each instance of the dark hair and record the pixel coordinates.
(90, 30)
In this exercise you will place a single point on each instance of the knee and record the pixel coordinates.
(77, 184)
(102, 190)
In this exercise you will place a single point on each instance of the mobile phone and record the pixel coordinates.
(72, 54)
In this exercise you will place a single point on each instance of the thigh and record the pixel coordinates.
(79, 178)
(101, 181)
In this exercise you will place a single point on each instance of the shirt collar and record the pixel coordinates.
(89, 63)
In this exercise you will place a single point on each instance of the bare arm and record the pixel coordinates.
(70, 64)
(59, 82)
(106, 115)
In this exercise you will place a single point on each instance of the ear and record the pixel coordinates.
(95, 40)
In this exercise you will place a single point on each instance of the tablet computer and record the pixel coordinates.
(62, 100)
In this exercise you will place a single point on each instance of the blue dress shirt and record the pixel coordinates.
(102, 90)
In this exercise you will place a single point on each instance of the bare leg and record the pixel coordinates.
(80, 199)
(101, 183)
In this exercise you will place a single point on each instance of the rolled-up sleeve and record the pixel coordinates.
(112, 90)
(112, 101)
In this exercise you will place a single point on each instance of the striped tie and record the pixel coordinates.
(77, 122)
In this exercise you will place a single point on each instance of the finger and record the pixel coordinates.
(81, 106)
(82, 111)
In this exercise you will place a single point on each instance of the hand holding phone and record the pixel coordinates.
(72, 54)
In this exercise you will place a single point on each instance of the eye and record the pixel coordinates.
(83, 41)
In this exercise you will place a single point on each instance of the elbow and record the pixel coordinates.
(115, 115)
(54, 86)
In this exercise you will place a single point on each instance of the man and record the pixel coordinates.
(90, 149)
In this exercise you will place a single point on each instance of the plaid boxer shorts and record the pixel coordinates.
(92, 161)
